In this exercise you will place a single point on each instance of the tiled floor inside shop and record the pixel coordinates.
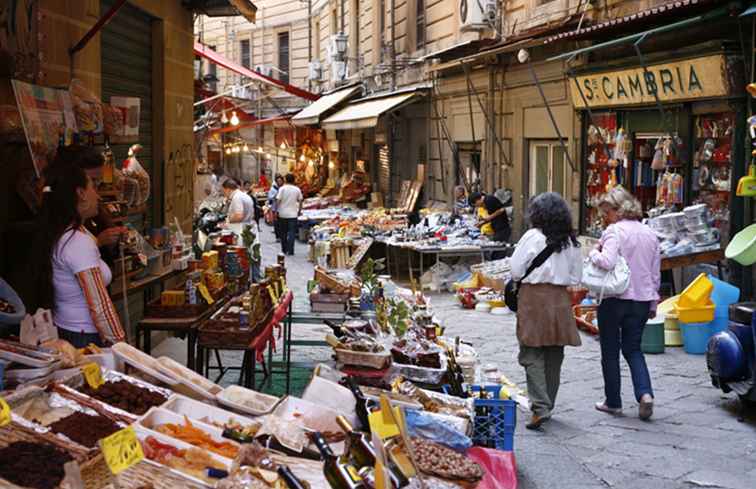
(694, 439)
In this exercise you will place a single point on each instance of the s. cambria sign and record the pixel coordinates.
(675, 81)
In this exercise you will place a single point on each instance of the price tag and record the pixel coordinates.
(93, 375)
(121, 450)
(206, 294)
(5, 412)
(382, 422)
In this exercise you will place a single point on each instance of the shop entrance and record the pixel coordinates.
(547, 167)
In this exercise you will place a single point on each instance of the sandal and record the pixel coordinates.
(601, 406)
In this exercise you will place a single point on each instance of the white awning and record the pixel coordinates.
(311, 114)
(365, 113)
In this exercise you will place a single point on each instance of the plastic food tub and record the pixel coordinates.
(742, 247)
(704, 314)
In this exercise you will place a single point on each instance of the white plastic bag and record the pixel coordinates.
(133, 169)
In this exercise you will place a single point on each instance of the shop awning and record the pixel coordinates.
(207, 53)
(311, 114)
(365, 113)
(223, 8)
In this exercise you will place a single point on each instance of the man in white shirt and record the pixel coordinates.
(289, 200)
(241, 209)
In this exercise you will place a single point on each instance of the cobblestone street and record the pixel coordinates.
(693, 440)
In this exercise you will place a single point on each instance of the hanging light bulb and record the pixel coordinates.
(267, 155)
(245, 148)
(224, 119)
(331, 165)
(237, 149)
(302, 158)
(283, 145)
(311, 163)
(234, 119)
(259, 149)
(228, 151)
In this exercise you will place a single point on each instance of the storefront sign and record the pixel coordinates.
(680, 80)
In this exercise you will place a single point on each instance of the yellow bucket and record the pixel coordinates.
(697, 293)
(700, 314)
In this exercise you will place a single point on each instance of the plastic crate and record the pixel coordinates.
(495, 420)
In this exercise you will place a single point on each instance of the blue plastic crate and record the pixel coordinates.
(495, 420)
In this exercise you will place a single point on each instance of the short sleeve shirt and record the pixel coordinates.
(493, 204)
(242, 202)
(76, 251)
(289, 197)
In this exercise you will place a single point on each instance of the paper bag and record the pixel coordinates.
(38, 329)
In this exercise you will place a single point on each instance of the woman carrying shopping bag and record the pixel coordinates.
(621, 319)
(545, 262)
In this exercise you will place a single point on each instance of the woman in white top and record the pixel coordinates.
(72, 278)
(545, 324)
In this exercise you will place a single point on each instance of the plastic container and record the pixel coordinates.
(697, 294)
(495, 420)
(247, 401)
(673, 338)
(720, 322)
(742, 247)
(723, 294)
(652, 340)
(671, 322)
(201, 411)
(703, 314)
(695, 337)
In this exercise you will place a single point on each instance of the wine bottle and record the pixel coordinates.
(361, 407)
(237, 436)
(362, 452)
(338, 473)
(290, 480)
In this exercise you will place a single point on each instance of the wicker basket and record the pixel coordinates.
(96, 475)
(377, 361)
(579, 312)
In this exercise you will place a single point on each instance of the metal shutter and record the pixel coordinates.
(384, 172)
(126, 52)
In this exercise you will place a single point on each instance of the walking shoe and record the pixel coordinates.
(537, 421)
(646, 407)
(601, 406)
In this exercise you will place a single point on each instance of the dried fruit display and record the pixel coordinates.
(435, 459)
(125, 395)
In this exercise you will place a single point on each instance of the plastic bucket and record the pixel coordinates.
(721, 319)
(723, 294)
(653, 338)
(696, 294)
(695, 337)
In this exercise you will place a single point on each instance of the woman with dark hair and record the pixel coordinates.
(545, 324)
(71, 276)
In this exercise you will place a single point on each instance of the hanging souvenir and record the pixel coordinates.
(658, 162)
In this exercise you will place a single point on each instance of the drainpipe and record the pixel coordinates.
(342, 17)
(393, 47)
(309, 40)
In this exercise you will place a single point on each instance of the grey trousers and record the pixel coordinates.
(543, 367)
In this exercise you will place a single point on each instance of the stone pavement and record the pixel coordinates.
(693, 440)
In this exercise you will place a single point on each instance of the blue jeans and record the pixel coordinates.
(621, 324)
(289, 234)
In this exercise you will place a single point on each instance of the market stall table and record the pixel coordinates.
(216, 334)
(668, 264)
(452, 252)
(187, 325)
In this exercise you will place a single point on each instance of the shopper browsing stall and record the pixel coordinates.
(497, 215)
(622, 319)
(545, 324)
(241, 208)
(71, 275)
(289, 199)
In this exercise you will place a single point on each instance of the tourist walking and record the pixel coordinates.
(622, 319)
(278, 182)
(289, 199)
(545, 323)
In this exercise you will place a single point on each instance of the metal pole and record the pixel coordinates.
(309, 39)
(393, 47)
(551, 115)
(488, 120)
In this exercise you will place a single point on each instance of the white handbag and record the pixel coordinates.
(606, 282)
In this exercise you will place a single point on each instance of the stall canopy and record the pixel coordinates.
(207, 53)
(312, 114)
(365, 112)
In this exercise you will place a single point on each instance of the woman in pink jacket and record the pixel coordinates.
(622, 319)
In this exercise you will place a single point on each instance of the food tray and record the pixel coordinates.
(197, 385)
(22, 375)
(69, 389)
(247, 401)
(395, 398)
(26, 355)
(159, 416)
(309, 415)
(378, 361)
(425, 375)
(205, 413)
(142, 434)
(581, 323)
(142, 362)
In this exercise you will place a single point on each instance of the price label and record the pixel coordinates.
(206, 294)
(5, 412)
(93, 375)
(121, 450)
(382, 422)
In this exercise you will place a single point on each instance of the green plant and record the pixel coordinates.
(398, 315)
(369, 273)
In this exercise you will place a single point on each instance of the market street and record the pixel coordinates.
(693, 440)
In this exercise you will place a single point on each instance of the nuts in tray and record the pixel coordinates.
(84, 429)
(36, 465)
(435, 459)
(125, 395)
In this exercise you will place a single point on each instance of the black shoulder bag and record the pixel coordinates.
(512, 289)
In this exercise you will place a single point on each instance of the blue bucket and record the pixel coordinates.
(696, 337)
(723, 294)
